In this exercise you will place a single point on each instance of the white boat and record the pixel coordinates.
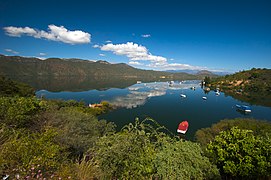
(204, 98)
(183, 95)
(217, 93)
(243, 108)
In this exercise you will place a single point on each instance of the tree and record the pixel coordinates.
(19, 111)
(238, 153)
(127, 154)
(207, 80)
(183, 160)
(9, 87)
(259, 128)
(77, 130)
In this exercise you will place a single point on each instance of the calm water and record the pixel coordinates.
(164, 104)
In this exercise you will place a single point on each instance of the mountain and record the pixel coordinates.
(205, 73)
(17, 66)
(199, 72)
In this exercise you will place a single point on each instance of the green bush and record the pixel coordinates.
(142, 151)
(77, 130)
(125, 155)
(238, 153)
(30, 154)
(19, 111)
(184, 160)
(9, 87)
(259, 128)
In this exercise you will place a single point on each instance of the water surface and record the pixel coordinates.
(162, 102)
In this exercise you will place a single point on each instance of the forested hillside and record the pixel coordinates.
(32, 67)
(252, 85)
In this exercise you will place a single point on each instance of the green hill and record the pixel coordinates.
(13, 66)
(253, 85)
(57, 74)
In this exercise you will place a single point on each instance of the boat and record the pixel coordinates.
(182, 128)
(183, 95)
(193, 88)
(204, 98)
(243, 108)
(217, 93)
(138, 82)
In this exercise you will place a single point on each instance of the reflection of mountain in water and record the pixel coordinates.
(139, 94)
(75, 83)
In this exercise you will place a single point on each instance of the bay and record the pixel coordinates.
(162, 102)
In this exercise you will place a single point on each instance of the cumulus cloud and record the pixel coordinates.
(55, 33)
(137, 52)
(135, 63)
(108, 41)
(11, 51)
(102, 54)
(133, 51)
(145, 35)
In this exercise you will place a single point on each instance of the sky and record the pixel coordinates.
(214, 35)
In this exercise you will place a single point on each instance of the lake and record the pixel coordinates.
(162, 102)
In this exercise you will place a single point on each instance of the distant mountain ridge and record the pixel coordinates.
(189, 71)
(30, 66)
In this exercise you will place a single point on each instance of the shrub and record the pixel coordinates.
(238, 153)
(27, 154)
(184, 160)
(77, 131)
(19, 111)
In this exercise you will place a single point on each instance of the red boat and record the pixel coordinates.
(182, 128)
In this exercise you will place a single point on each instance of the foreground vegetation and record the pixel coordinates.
(64, 139)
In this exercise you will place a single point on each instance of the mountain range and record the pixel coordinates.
(14, 66)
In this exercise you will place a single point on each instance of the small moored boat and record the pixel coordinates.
(243, 108)
(182, 128)
(183, 95)
(204, 98)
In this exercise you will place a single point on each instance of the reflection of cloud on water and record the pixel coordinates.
(139, 93)
(133, 88)
(135, 98)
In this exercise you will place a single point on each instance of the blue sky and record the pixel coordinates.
(216, 35)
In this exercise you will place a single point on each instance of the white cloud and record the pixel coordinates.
(42, 54)
(145, 35)
(137, 52)
(96, 46)
(133, 51)
(108, 41)
(55, 33)
(175, 66)
(11, 51)
(135, 63)
(102, 54)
